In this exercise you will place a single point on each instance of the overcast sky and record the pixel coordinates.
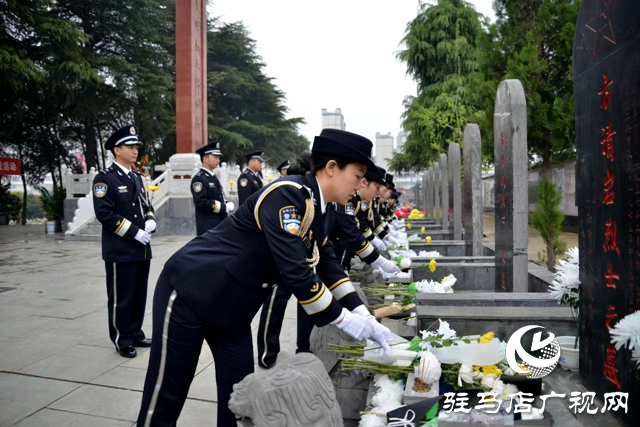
(334, 54)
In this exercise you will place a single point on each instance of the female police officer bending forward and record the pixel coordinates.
(212, 288)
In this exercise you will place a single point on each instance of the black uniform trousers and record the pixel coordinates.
(127, 298)
(178, 335)
(271, 319)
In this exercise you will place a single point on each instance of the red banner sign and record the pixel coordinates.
(9, 166)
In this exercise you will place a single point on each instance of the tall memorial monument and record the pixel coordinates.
(606, 67)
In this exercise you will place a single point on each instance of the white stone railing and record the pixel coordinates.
(163, 183)
(78, 183)
(228, 176)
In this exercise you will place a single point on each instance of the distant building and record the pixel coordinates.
(384, 149)
(333, 120)
(400, 140)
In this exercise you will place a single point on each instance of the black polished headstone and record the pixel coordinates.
(606, 66)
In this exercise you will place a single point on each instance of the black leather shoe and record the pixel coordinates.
(146, 342)
(128, 352)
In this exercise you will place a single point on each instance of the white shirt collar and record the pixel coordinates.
(207, 171)
(126, 171)
(323, 206)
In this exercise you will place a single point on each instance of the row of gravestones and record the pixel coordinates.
(449, 202)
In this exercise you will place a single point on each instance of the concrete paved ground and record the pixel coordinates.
(57, 364)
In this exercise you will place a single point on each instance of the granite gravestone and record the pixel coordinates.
(444, 181)
(455, 197)
(606, 66)
(436, 192)
(511, 196)
(426, 192)
(472, 194)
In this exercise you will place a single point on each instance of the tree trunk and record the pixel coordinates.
(91, 151)
(551, 257)
(551, 254)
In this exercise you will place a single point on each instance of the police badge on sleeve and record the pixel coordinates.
(100, 189)
(197, 187)
(290, 219)
(244, 182)
(349, 209)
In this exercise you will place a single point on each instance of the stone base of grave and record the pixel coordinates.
(401, 328)
(487, 299)
(446, 248)
(420, 261)
(504, 321)
(471, 276)
(176, 216)
(351, 388)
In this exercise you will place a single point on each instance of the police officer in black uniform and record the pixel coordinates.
(282, 167)
(122, 206)
(283, 222)
(343, 232)
(249, 181)
(208, 195)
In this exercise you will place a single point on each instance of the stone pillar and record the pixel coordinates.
(455, 198)
(472, 194)
(436, 192)
(444, 191)
(512, 198)
(417, 197)
(425, 194)
(191, 75)
(606, 72)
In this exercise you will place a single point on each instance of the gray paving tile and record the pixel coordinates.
(198, 414)
(80, 363)
(102, 402)
(52, 418)
(69, 309)
(142, 360)
(204, 385)
(123, 377)
(21, 396)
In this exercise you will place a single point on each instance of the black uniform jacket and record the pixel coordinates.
(208, 197)
(364, 216)
(276, 236)
(347, 234)
(248, 183)
(379, 224)
(122, 207)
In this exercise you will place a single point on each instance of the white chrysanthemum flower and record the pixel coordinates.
(627, 333)
(429, 369)
(405, 263)
(445, 329)
(466, 374)
(488, 381)
(566, 283)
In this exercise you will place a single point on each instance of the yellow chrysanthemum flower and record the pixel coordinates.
(493, 369)
(153, 188)
(486, 337)
(231, 182)
(524, 368)
(270, 179)
(432, 265)
(423, 229)
(409, 226)
(428, 239)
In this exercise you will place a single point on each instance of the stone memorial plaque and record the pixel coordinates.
(454, 173)
(472, 194)
(606, 66)
(436, 192)
(444, 191)
(511, 197)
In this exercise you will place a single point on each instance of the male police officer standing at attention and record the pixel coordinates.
(208, 195)
(122, 207)
(249, 181)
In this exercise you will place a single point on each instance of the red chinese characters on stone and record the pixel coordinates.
(504, 284)
(610, 371)
(611, 276)
(501, 139)
(611, 237)
(610, 316)
(607, 141)
(503, 182)
(503, 202)
(502, 161)
(609, 194)
(604, 92)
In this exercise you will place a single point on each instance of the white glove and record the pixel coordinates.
(356, 326)
(385, 265)
(389, 238)
(394, 233)
(150, 226)
(379, 244)
(143, 237)
(379, 332)
(397, 224)
(230, 207)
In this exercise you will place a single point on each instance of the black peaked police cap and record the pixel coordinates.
(346, 145)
